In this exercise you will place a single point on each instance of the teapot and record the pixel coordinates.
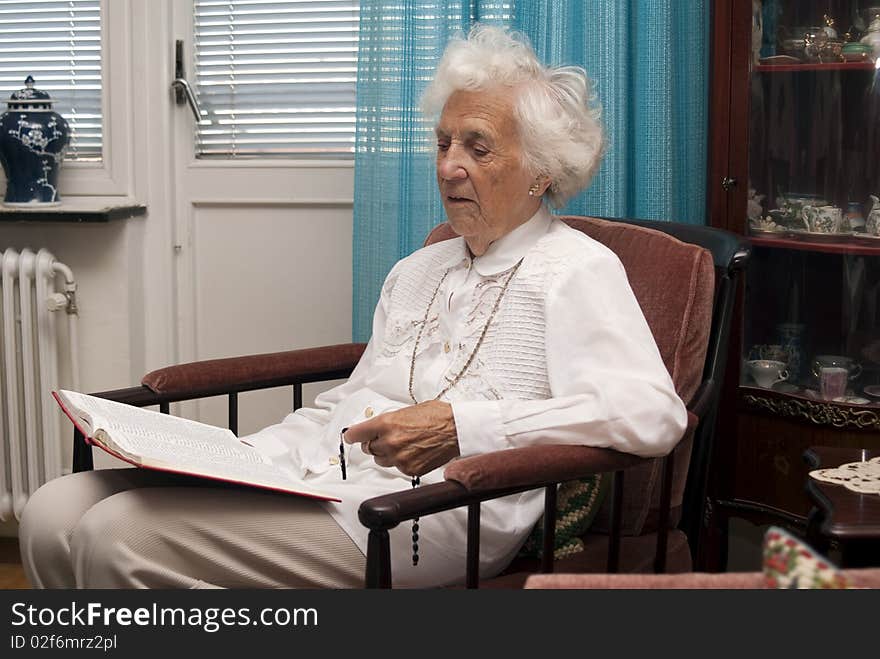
(872, 223)
(872, 36)
(829, 28)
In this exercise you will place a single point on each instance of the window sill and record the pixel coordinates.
(67, 212)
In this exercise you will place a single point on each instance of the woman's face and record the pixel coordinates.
(483, 183)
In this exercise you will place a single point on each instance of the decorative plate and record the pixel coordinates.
(768, 232)
(819, 236)
(779, 59)
(866, 237)
(872, 390)
(852, 400)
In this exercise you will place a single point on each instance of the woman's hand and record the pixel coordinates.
(415, 439)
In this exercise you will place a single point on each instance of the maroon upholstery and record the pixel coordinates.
(547, 462)
(858, 578)
(205, 378)
(521, 466)
(679, 315)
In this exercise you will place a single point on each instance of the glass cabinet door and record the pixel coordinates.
(811, 324)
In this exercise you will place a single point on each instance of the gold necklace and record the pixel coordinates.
(467, 364)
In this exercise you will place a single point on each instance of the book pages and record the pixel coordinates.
(154, 440)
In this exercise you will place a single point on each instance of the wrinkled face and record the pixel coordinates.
(484, 185)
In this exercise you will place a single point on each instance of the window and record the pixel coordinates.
(59, 44)
(276, 78)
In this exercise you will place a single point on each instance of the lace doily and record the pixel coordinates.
(862, 477)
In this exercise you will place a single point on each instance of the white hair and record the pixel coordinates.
(557, 114)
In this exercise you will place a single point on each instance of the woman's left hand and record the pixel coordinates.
(415, 439)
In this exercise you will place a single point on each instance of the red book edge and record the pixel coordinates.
(89, 440)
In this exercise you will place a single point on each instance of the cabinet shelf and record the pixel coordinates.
(857, 417)
(841, 245)
(815, 66)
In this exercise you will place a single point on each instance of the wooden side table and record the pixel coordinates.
(849, 519)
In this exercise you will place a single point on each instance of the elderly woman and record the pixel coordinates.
(520, 331)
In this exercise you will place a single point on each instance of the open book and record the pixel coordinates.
(153, 440)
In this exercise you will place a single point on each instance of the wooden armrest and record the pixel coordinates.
(214, 377)
(489, 476)
(388, 510)
(545, 464)
(138, 396)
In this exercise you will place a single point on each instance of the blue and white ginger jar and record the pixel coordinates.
(33, 138)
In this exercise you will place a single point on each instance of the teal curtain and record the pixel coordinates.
(648, 60)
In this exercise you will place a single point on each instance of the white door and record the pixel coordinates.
(262, 253)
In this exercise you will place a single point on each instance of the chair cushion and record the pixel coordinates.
(577, 503)
(790, 563)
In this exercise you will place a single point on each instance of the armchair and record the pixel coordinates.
(857, 577)
(686, 287)
(787, 563)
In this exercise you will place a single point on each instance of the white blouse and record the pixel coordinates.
(567, 358)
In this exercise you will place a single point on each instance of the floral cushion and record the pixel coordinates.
(577, 503)
(792, 564)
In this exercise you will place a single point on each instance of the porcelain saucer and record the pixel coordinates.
(873, 390)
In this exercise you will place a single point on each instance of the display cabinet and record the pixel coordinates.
(795, 165)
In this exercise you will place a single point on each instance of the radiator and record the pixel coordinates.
(30, 449)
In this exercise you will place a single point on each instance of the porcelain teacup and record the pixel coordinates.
(822, 219)
(841, 361)
(767, 372)
(832, 382)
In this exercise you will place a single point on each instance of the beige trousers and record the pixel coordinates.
(134, 528)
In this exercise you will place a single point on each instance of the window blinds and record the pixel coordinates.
(59, 44)
(276, 78)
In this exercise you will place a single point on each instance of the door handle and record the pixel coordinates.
(183, 92)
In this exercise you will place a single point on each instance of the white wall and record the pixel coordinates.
(247, 265)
